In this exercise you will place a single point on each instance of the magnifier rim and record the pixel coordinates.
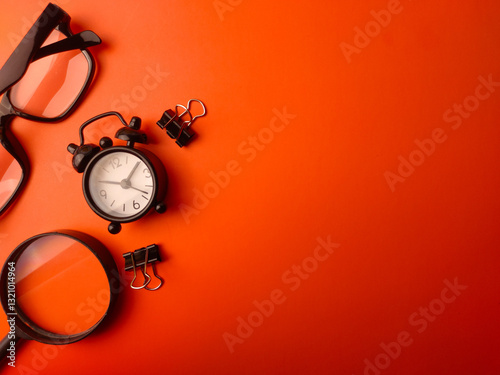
(25, 327)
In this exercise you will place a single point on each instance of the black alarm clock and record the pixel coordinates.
(121, 184)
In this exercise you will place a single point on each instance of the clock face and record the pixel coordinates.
(121, 184)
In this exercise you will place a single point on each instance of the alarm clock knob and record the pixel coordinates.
(135, 123)
(72, 148)
(82, 155)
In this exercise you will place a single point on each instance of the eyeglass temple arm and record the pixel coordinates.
(17, 64)
(78, 41)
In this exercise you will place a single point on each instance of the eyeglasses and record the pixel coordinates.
(43, 80)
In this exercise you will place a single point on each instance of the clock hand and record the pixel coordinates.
(142, 191)
(132, 172)
(124, 185)
(111, 182)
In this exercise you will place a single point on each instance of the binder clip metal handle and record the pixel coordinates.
(188, 111)
(140, 258)
(147, 278)
(158, 277)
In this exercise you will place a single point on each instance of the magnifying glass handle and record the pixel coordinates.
(8, 347)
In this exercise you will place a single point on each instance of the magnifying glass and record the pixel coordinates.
(56, 288)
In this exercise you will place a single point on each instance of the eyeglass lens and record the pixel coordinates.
(49, 88)
(52, 84)
(10, 175)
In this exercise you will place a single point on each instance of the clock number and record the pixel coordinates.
(103, 194)
(147, 173)
(115, 163)
(136, 205)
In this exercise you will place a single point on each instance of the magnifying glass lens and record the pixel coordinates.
(61, 286)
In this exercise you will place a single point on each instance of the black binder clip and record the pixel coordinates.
(140, 258)
(176, 127)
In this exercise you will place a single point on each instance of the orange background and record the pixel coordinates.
(323, 175)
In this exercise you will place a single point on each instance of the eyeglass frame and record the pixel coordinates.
(29, 50)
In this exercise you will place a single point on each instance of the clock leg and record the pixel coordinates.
(114, 228)
(161, 207)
